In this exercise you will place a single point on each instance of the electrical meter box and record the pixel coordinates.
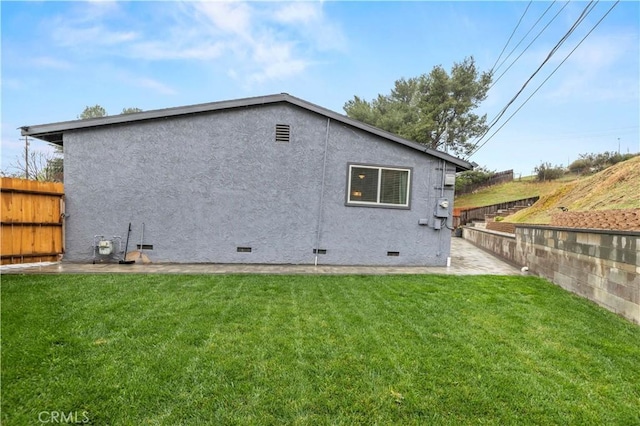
(442, 208)
(450, 179)
(105, 247)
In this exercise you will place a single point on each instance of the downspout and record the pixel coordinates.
(324, 170)
(444, 170)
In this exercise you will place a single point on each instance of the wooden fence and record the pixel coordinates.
(495, 179)
(32, 221)
(478, 213)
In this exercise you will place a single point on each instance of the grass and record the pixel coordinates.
(253, 349)
(509, 191)
(610, 189)
(613, 188)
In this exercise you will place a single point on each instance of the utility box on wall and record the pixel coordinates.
(442, 208)
(450, 179)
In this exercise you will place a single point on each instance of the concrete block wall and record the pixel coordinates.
(603, 266)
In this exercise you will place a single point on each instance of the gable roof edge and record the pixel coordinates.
(53, 132)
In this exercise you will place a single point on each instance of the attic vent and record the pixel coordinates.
(283, 133)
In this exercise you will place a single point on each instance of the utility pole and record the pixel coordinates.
(618, 146)
(26, 157)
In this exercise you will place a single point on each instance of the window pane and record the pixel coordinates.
(394, 186)
(364, 184)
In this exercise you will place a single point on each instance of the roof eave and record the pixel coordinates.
(60, 127)
(53, 132)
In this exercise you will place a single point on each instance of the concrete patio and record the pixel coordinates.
(466, 259)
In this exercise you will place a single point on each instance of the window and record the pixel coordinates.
(378, 186)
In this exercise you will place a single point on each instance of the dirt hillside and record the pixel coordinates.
(607, 200)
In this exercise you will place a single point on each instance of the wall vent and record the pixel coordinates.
(283, 133)
(393, 253)
(145, 246)
(319, 251)
(243, 249)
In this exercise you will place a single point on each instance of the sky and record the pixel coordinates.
(59, 57)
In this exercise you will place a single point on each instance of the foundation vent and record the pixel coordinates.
(393, 253)
(319, 251)
(243, 249)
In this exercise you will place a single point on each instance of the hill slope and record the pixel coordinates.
(617, 187)
(510, 191)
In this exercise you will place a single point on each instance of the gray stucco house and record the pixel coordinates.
(271, 179)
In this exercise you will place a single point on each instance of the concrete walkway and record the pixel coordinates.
(466, 259)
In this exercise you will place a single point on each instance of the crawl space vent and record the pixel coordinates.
(283, 133)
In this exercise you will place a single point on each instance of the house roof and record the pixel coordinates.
(53, 132)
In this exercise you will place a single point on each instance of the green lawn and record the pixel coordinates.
(255, 349)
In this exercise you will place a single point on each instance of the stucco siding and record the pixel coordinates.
(208, 183)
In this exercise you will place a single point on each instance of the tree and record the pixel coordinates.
(38, 166)
(93, 112)
(434, 109)
(591, 163)
(545, 171)
(130, 110)
(472, 178)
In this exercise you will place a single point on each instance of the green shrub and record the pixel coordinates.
(546, 172)
(593, 163)
(472, 177)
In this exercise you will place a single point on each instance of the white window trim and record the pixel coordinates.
(377, 203)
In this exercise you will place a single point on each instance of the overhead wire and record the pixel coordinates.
(542, 84)
(525, 36)
(564, 38)
(587, 10)
(511, 36)
(528, 46)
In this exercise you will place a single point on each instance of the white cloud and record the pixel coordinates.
(259, 41)
(305, 13)
(604, 51)
(146, 83)
(50, 62)
(155, 85)
(309, 20)
(180, 49)
(228, 17)
(276, 61)
(90, 25)
(590, 71)
(90, 37)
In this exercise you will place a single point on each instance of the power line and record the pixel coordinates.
(511, 36)
(528, 46)
(525, 36)
(542, 84)
(564, 38)
(587, 10)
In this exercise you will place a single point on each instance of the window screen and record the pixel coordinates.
(378, 186)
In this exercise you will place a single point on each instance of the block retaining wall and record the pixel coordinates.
(502, 227)
(603, 266)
